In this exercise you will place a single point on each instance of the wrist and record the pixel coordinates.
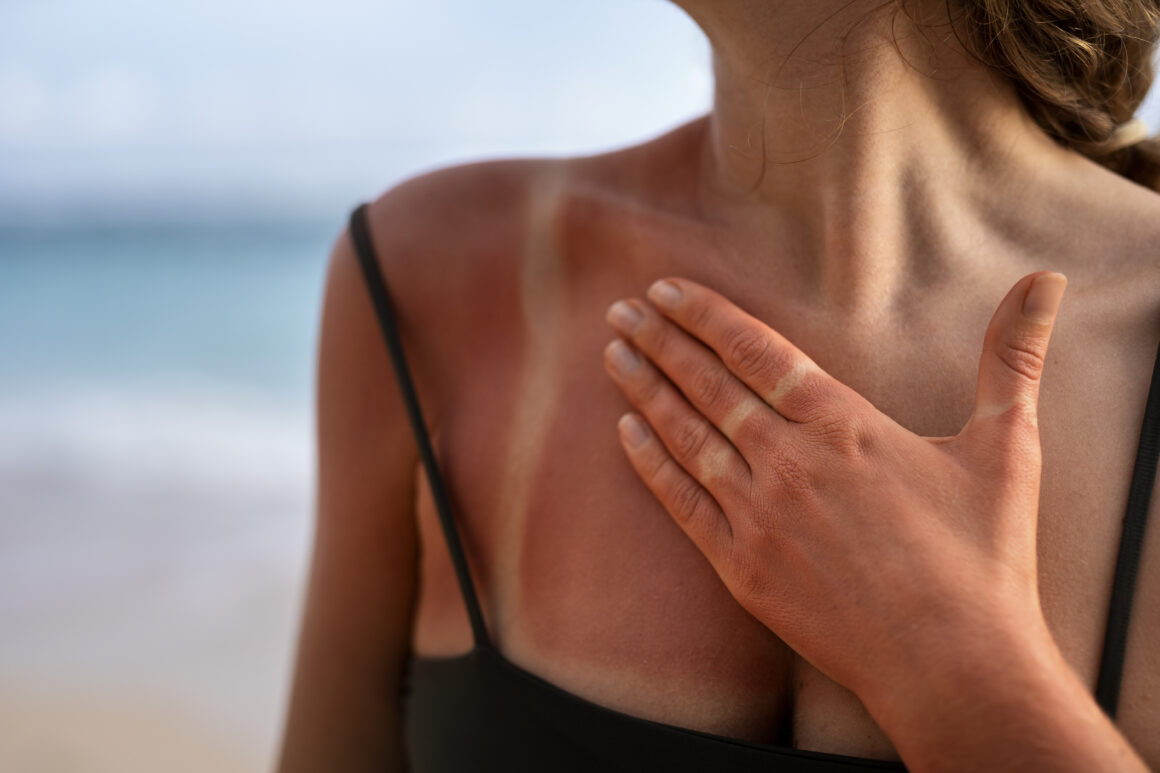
(947, 652)
(999, 699)
(956, 667)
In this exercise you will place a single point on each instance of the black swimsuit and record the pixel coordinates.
(481, 712)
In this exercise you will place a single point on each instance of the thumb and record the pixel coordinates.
(1014, 350)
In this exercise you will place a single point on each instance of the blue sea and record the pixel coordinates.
(156, 477)
(229, 304)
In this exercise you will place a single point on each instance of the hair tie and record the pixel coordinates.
(1126, 134)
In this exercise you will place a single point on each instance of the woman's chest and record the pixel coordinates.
(589, 584)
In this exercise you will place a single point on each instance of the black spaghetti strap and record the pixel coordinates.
(1131, 542)
(385, 311)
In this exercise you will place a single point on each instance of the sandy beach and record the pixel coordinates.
(151, 555)
(42, 731)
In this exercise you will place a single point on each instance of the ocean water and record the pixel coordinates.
(156, 485)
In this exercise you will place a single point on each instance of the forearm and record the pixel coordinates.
(1013, 704)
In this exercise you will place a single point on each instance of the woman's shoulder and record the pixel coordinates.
(450, 243)
(469, 210)
(432, 227)
(464, 218)
(1103, 231)
(454, 237)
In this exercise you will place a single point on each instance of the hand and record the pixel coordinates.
(864, 546)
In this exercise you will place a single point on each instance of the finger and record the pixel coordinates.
(690, 505)
(691, 440)
(1015, 350)
(776, 370)
(731, 406)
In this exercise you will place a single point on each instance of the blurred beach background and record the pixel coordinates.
(172, 177)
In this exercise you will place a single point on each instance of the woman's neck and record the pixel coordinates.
(846, 137)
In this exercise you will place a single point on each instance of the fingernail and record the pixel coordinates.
(1043, 298)
(632, 430)
(624, 317)
(624, 360)
(664, 294)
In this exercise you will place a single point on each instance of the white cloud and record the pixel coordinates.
(163, 96)
(113, 104)
(24, 104)
(215, 108)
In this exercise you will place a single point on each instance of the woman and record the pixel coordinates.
(872, 179)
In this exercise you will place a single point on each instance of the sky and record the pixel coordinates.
(299, 103)
(237, 107)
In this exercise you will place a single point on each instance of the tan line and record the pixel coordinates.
(712, 465)
(542, 286)
(989, 408)
(737, 416)
(801, 368)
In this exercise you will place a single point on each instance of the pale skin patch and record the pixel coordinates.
(713, 466)
(541, 288)
(736, 417)
(801, 368)
(988, 408)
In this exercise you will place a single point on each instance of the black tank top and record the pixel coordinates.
(481, 712)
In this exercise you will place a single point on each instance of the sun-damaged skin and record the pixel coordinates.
(832, 523)
(586, 580)
(881, 250)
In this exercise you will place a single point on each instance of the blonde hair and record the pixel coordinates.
(1081, 67)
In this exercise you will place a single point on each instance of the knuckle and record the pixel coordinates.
(700, 315)
(849, 435)
(656, 468)
(866, 440)
(708, 384)
(687, 497)
(812, 401)
(690, 439)
(649, 387)
(1023, 355)
(659, 337)
(750, 427)
(748, 350)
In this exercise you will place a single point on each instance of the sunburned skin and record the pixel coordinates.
(737, 417)
(593, 588)
(989, 408)
(871, 209)
(802, 367)
(541, 289)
